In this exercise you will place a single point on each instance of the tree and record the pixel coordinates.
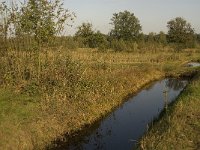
(42, 19)
(84, 33)
(180, 32)
(85, 30)
(141, 38)
(126, 26)
(4, 24)
(89, 37)
(198, 38)
(97, 39)
(162, 38)
(151, 38)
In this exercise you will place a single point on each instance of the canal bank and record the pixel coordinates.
(123, 128)
(93, 136)
(179, 127)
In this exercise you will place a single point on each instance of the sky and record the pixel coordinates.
(153, 14)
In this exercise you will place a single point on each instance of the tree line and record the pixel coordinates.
(127, 29)
(39, 23)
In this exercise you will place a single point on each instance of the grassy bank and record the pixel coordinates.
(179, 128)
(51, 93)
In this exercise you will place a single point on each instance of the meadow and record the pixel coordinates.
(53, 85)
(46, 95)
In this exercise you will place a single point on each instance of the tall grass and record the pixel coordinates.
(53, 90)
(74, 88)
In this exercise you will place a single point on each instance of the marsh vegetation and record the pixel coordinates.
(52, 84)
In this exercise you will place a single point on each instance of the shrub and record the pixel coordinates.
(119, 45)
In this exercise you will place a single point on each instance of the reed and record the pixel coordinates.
(75, 89)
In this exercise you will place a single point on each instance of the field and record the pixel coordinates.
(48, 94)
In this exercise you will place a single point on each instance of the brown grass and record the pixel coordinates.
(75, 88)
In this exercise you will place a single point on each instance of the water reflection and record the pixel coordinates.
(122, 128)
(175, 85)
(193, 64)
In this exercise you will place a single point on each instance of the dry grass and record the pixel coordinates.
(72, 89)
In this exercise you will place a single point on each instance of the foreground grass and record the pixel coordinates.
(68, 94)
(179, 128)
(16, 111)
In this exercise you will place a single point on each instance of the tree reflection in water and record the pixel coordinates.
(124, 127)
(175, 84)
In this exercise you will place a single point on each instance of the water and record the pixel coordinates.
(126, 125)
(193, 64)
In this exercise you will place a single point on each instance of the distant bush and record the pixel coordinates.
(132, 46)
(89, 38)
(103, 47)
(121, 45)
(66, 42)
(70, 43)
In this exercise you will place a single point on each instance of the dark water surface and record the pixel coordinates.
(125, 126)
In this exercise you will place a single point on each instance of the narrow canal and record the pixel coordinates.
(122, 129)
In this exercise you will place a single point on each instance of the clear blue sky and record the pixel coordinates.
(153, 14)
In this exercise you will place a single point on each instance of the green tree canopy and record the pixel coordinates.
(198, 38)
(89, 36)
(4, 20)
(84, 30)
(42, 19)
(97, 39)
(180, 31)
(126, 26)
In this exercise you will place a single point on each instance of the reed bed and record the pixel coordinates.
(47, 94)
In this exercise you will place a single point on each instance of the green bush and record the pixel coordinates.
(119, 45)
